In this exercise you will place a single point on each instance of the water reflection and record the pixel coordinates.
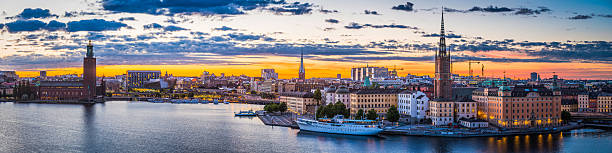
(89, 128)
(145, 127)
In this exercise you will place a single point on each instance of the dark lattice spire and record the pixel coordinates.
(442, 45)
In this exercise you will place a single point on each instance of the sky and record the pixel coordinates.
(572, 39)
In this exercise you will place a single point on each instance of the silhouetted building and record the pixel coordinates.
(138, 79)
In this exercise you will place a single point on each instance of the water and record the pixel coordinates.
(148, 127)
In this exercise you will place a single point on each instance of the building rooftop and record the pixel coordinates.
(61, 84)
(298, 94)
(378, 91)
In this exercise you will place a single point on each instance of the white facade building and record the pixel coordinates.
(413, 103)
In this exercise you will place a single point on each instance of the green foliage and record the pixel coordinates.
(393, 114)
(359, 114)
(371, 115)
(282, 107)
(317, 96)
(566, 116)
(332, 110)
(190, 94)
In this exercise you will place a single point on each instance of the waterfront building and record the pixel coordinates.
(604, 102)
(299, 102)
(474, 123)
(138, 78)
(62, 90)
(73, 89)
(343, 95)
(441, 112)
(361, 73)
(587, 101)
(569, 105)
(523, 106)
(302, 71)
(414, 104)
(378, 99)
(330, 95)
(89, 72)
(268, 74)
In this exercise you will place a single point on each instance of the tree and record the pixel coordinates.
(393, 114)
(282, 107)
(359, 114)
(317, 96)
(566, 116)
(190, 94)
(371, 115)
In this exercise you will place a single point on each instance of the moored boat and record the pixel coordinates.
(245, 113)
(339, 125)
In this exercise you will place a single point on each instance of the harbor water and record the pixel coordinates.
(121, 126)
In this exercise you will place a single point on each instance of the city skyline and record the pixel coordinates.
(513, 37)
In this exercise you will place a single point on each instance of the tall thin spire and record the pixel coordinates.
(302, 72)
(442, 23)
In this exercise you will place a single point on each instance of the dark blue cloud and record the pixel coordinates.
(173, 28)
(165, 28)
(25, 25)
(324, 11)
(527, 11)
(55, 26)
(580, 17)
(225, 28)
(153, 26)
(247, 37)
(354, 25)
(94, 25)
(371, 12)
(494, 9)
(30, 13)
(170, 7)
(451, 35)
(295, 8)
(127, 19)
(332, 21)
(407, 7)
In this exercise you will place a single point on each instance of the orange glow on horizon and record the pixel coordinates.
(327, 69)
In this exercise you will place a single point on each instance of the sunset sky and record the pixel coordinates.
(186, 37)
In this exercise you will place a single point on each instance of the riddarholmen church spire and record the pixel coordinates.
(442, 82)
(302, 72)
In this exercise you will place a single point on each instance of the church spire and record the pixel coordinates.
(90, 53)
(302, 72)
(442, 45)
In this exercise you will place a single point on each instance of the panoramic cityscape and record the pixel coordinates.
(305, 76)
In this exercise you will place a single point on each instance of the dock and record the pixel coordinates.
(285, 120)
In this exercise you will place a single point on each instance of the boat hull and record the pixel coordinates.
(337, 129)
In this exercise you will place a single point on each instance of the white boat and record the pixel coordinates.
(338, 125)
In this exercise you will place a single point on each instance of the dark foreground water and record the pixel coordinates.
(148, 127)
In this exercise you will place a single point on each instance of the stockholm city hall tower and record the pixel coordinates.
(442, 81)
(89, 73)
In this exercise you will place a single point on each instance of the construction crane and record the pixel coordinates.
(482, 71)
(470, 67)
(394, 72)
